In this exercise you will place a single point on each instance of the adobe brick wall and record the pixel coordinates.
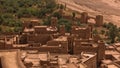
(99, 20)
(47, 64)
(70, 44)
(43, 30)
(84, 18)
(40, 38)
(64, 47)
(8, 46)
(70, 18)
(96, 38)
(18, 58)
(2, 45)
(56, 49)
(78, 47)
(28, 23)
(54, 21)
(35, 44)
(85, 33)
(62, 30)
(53, 43)
(101, 51)
(91, 63)
(51, 49)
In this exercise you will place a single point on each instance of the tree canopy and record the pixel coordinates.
(11, 11)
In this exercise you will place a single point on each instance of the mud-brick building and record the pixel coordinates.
(81, 32)
(30, 24)
(45, 30)
(38, 38)
(83, 46)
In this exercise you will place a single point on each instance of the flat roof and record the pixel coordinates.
(118, 48)
(62, 59)
(80, 28)
(40, 56)
(88, 56)
(106, 61)
(61, 38)
(110, 47)
(71, 65)
(11, 59)
(118, 44)
(89, 44)
(35, 20)
(112, 66)
(52, 29)
(35, 58)
(40, 26)
(111, 52)
(28, 30)
(117, 57)
(20, 45)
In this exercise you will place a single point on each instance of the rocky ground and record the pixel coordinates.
(110, 9)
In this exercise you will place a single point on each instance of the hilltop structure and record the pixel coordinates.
(56, 40)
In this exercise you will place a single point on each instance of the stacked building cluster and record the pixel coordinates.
(51, 46)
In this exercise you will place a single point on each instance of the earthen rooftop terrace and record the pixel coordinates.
(62, 58)
(11, 59)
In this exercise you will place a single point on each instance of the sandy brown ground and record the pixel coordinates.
(110, 9)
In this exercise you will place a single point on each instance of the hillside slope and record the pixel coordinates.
(108, 8)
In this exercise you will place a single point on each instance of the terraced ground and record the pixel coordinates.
(110, 9)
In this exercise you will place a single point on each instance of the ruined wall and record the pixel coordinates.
(98, 19)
